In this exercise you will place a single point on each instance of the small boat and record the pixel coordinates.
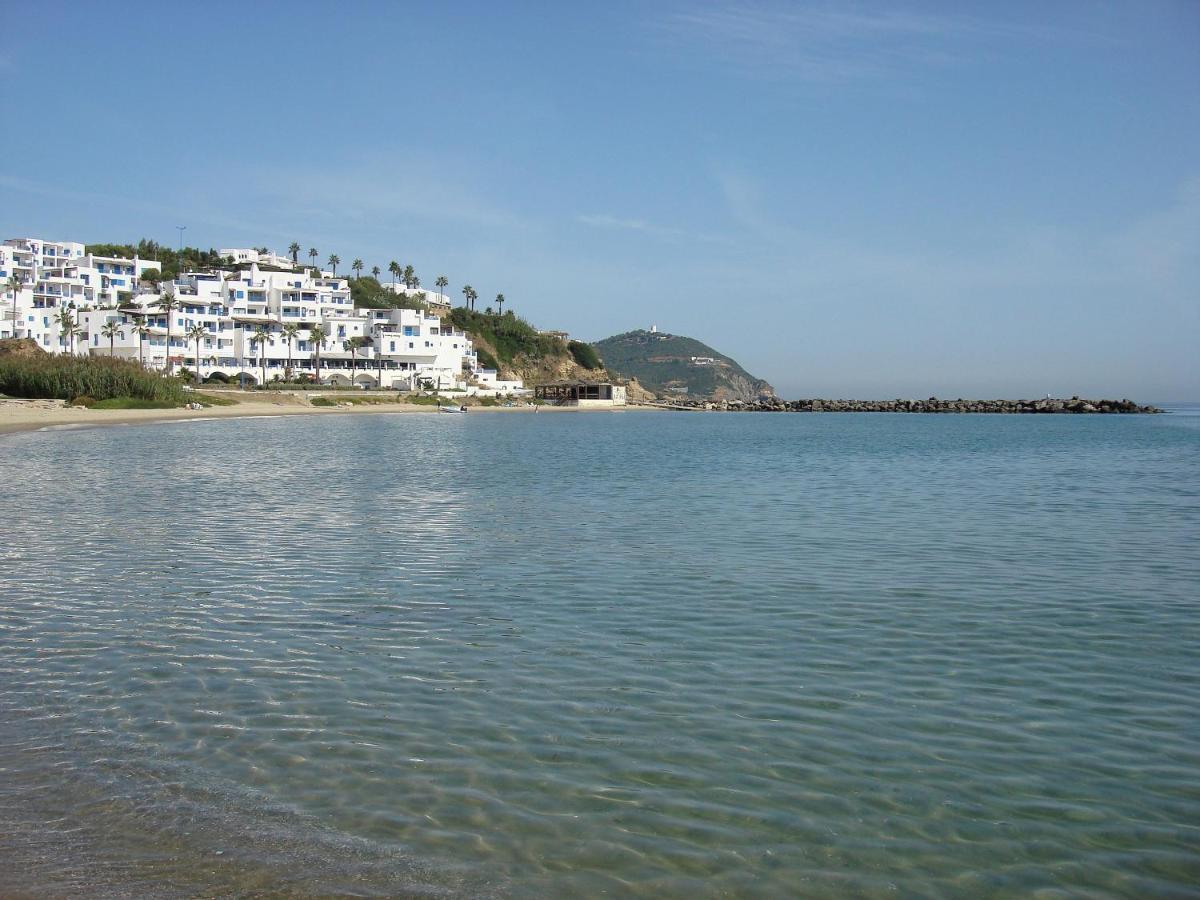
(452, 409)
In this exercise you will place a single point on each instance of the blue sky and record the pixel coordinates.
(869, 200)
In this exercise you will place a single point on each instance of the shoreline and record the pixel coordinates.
(21, 416)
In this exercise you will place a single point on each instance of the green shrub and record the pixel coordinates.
(321, 401)
(368, 293)
(422, 400)
(83, 401)
(486, 359)
(510, 335)
(66, 377)
(217, 378)
(585, 355)
(488, 401)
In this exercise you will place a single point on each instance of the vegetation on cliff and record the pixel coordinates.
(585, 355)
(510, 337)
(368, 293)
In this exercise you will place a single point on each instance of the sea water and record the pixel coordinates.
(636, 654)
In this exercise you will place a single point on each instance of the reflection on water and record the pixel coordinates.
(648, 654)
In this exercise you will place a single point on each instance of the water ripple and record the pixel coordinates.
(644, 654)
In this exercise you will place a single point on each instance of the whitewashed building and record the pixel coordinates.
(241, 255)
(240, 324)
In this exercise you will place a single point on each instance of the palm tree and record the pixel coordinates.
(112, 331)
(471, 296)
(197, 333)
(168, 303)
(500, 302)
(13, 286)
(353, 345)
(290, 332)
(441, 283)
(375, 272)
(66, 326)
(394, 268)
(466, 291)
(379, 352)
(357, 266)
(143, 331)
(409, 275)
(318, 335)
(261, 335)
(416, 282)
(312, 254)
(334, 259)
(294, 249)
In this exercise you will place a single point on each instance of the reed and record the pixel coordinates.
(67, 377)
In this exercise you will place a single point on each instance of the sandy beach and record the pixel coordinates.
(34, 415)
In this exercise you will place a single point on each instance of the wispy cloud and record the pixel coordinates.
(411, 186)
(833, 43)
(603, 220)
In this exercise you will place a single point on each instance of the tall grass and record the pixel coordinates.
(66, 377)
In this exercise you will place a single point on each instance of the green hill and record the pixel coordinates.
(670, 364)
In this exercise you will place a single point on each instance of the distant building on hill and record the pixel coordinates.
(254, 255)
(428, 297)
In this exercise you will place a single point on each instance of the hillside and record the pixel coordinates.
(670, 364)
(518, 350)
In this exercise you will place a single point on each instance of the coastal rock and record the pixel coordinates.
(1045, 406)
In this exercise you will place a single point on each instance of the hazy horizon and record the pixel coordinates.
(851, 200)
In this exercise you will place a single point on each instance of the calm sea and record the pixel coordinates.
(641, 654)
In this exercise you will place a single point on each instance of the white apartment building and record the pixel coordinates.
(252, 324)
(252, 255)
(426, 296)
(56, 274)
(39, 265)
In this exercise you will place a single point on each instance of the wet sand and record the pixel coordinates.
(34, 415)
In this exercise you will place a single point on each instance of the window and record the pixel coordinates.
(392, 348)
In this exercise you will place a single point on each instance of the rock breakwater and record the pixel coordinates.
(1072, 406)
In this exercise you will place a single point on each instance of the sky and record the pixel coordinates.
(869, 200)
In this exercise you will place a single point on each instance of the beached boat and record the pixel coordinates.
(452, 409)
